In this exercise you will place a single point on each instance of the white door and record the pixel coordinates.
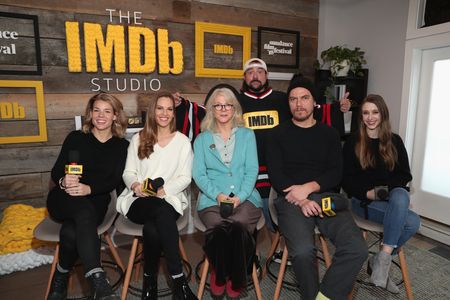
(430, 161)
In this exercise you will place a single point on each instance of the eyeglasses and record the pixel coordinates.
(219, 107)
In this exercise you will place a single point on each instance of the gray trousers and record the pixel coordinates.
(341, 230)
(246, 213)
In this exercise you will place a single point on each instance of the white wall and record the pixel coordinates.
(423, 47)
(378, 28)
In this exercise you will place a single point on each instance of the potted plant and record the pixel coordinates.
(341, 60)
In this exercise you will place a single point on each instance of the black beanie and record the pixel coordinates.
(298, 80)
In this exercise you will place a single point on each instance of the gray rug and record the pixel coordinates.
(429, 274)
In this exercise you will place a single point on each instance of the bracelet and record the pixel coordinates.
(61, 186)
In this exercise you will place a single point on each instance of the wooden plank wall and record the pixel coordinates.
(24, 168)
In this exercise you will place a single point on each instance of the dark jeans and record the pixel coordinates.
(160, 233)
(341, 230)
(78, 237)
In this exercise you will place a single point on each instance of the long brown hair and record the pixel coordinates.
(386, 148)
(119, 126)
(149, 135)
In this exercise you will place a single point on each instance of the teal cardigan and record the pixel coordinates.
(213, 177)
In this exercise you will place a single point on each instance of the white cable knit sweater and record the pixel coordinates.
(173, 163)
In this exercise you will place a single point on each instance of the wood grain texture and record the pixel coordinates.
(241, 12)
(26, 160)
(298, 8)
(24, 187)
(57, 132)
(24, 168)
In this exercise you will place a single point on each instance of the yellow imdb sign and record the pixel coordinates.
(14, 111)
(208, 50)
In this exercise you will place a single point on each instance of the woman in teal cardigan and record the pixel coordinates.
(225, 170)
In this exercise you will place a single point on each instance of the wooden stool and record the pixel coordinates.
(127, 227)
(366, 226)
(48, 230)
(284, 259)
(204, 274)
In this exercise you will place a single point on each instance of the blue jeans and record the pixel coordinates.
(400, 223)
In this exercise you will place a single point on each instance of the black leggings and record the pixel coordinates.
(160, 233)
(78, 237)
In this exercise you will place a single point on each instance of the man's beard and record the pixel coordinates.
(261, 88)
(302, 119)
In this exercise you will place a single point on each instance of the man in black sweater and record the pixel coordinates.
(263, 108)
(304, 157)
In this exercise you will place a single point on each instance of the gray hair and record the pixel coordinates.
(209, 122)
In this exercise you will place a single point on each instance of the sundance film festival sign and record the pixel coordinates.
(17, 55)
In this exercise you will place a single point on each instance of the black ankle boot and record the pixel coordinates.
(101, 289)
(58, 287)
(150, 287)
(181, 290)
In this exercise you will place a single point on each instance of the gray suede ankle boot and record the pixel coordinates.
(390, 286)
(380, 269)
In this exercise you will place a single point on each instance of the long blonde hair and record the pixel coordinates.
(118, 127)
(149, 135)
(386, 148)
(209, 122)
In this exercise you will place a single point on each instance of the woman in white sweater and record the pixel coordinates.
(158, 151)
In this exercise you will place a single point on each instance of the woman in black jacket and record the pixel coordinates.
(80, 201)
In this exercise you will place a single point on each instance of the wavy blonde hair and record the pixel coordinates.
(148, 136)
(119, 126)
(209, 122)
(386, 148)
